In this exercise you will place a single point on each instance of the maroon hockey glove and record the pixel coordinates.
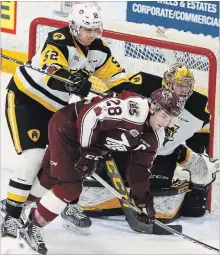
(88, 161)
(147, 207)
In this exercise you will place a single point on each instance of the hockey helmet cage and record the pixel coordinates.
(181, 75)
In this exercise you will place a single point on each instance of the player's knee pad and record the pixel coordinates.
(68, 191)
(29, 164)
(194, 204)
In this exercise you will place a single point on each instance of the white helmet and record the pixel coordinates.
(84, 15)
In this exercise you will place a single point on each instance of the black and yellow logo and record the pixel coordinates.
(58, 36)
(136, 79)
(170, 131)
(8, 16)
(34, 134)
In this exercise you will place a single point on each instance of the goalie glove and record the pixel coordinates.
(201, 167)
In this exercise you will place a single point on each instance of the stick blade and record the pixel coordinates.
(157, 230)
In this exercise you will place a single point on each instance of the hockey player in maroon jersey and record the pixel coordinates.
(78, 134)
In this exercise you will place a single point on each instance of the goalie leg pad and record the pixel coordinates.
(194, 204)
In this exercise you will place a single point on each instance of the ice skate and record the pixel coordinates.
(75, 220)
(33, 235)
(10, 227)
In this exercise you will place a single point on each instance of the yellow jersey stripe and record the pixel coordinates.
(13, 122)
(32, 95)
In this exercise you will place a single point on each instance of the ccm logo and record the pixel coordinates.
(92, 157)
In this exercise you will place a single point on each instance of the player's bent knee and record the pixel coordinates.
(68, 191)
(42, 183)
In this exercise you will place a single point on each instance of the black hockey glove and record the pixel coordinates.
(81, 86)
(148, 208)
(87, 163)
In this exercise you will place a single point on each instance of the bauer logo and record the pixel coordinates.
(8, 17)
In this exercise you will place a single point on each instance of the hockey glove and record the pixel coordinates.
(147, 207)
(88, 161)
(81, 86)
(201, 167)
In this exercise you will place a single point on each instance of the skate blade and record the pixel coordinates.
(76, 230)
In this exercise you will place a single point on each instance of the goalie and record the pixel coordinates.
(186, 144)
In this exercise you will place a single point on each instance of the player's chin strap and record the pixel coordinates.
(57, 77)
(126, 202)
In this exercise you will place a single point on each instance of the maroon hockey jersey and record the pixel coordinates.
(120, 124)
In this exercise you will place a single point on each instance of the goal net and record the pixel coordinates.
(138, 53)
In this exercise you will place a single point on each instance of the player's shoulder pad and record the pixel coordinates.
(61, 37)
(100, 45)
(153, 82)
(197, 105)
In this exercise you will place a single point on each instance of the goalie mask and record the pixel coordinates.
(181, 80)
(85, 21)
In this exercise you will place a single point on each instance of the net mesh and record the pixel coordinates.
(138, 57)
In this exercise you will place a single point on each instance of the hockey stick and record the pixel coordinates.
(158, 223)
(118, 184)
(57, 77)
